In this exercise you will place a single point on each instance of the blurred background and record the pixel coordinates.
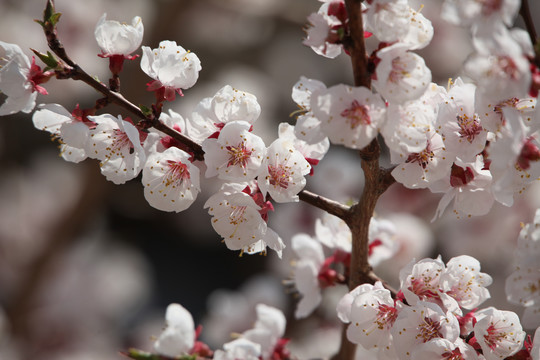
(87, 267)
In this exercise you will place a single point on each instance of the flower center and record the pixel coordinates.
(494, 336)
(386, 316)
(238, 155)
(452, 355)
(422, 288)
(357, 114)
(422, 158)
(429, 329)
(119, 140)
(279, 175)
(498, 109)
(469, 128)
(178, 173)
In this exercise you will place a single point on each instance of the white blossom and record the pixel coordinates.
(117, 144)
(464, 282)
(499, 67)
(459, 123)
(283, 171)
(115, 38)
(498, 332)
(268, 329)
(236, 217)
(236, 154)
(308, 127)
(419, 324)
(239, 349)
(171, 181)
(310, 258)
(469, 186)
(335, 234)
(173, 120)
(178, 337)
(523, 284)
(171, 66)
(392, 21)
(227, 105)
(406, 125)
(514, 156)
(422, 168)
(401, 75)
(319, 33)
(466, 12)
(19, 80)
(371, 312)
(443, 349)
(421, 281)
(72, 133)
(350, 116)
(312, 152)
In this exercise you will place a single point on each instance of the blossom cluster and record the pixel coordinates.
(263, 342)
(253, 175)
(475, 142)
(426, 320)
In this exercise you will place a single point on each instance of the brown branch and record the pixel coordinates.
(377, 180)
(357, 45)
(330, 206)
(525, 13)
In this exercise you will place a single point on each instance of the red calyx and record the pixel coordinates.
(260, 200)
(36, 76)
(460, 176)
(529, 152)
(82, 115)
(116, 62)
(280, 352)
(200, 348)
(163, 92)
(337, 8)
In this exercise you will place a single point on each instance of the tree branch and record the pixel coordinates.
(525, 13)
(330, 206)
(377, 180)
(357, 45)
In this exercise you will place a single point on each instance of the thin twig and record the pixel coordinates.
(330, 206)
